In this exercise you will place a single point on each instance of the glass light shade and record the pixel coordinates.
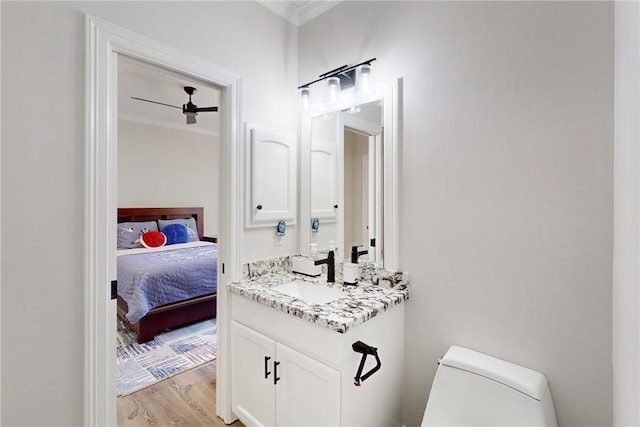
(333, 90)
(304, 95)
(363, 79)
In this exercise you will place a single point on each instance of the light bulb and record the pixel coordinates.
(304, 95)
(363, 78)
(333, 90)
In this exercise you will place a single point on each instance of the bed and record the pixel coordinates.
(190, 293)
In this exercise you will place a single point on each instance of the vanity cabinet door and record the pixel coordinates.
(272, 181)
(308, 392)
(252, 391)
(274, 385)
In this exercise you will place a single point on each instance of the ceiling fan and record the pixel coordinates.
(189, 109)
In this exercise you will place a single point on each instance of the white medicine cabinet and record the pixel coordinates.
(271, 176)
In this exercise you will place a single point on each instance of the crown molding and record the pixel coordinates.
(166, 125)
(299, 15)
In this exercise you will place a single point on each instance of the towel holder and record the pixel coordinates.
(360, 347)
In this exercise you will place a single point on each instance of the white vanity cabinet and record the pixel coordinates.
(270, 377)
(316, 368)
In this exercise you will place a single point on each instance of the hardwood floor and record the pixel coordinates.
(187, 399)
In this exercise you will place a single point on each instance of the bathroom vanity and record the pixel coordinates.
(307, 350)
(292, 348)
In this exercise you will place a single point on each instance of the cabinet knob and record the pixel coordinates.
(335, 206)
(259, 207)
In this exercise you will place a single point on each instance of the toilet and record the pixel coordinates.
(474, 389)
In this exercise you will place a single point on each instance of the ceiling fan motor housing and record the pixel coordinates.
(189, 109)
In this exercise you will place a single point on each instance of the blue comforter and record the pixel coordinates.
(150, 279)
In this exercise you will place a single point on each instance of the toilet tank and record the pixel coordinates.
(474, 389)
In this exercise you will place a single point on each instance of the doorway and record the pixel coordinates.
(167, 162)
(105, 42)
(357, 190)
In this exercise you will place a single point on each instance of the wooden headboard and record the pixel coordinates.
(154, 214)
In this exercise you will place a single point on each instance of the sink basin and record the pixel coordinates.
(314, 293)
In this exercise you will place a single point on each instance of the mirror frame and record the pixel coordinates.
(392, 99)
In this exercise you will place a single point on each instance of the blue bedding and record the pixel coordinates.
(149, 279)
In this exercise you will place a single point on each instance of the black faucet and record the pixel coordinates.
(355, 254)
(331, 266)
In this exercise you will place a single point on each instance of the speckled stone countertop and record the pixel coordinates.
(364, 301)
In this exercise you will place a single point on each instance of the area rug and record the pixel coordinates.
(172, 352)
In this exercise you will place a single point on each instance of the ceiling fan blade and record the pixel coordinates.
(206, 109)
(191, 119)
(155, 102)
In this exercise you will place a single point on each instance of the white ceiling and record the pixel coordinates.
(299, 11)
(148, 82)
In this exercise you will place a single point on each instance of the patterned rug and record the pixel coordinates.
(172, 352)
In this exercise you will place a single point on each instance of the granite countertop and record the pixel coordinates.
(364, 301)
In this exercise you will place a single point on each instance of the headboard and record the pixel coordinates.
(154, 214)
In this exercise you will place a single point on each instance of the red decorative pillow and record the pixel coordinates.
(153, 239)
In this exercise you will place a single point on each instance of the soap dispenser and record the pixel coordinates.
(350, 274)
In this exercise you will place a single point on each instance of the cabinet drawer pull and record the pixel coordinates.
(276, 378)
(259, 207)
(266, 367)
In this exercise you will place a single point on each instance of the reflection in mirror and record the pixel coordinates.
(346, 177)
(348, 161)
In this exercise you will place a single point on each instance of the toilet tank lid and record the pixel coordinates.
(525, 380)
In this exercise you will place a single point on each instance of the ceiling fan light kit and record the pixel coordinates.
(190, 110)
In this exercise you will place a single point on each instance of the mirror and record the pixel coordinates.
(348, 164)
(345, 177)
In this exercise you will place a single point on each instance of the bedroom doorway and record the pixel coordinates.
(106, 45)
(168, 171)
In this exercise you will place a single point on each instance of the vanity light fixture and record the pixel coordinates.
(338, 79)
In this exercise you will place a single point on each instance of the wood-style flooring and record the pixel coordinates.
(187, 399)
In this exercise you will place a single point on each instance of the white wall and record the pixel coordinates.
(506, 169)
(43, 111)
(167, 167)
(626, 275)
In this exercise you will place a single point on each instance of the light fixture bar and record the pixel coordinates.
(337, 72)
(332, 72)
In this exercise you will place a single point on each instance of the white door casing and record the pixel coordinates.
(105, 42)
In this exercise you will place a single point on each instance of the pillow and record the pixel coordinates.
(153, 239)
(190, 223)
(176, 233)
(129, 233)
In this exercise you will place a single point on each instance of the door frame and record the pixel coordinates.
(104, 43)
